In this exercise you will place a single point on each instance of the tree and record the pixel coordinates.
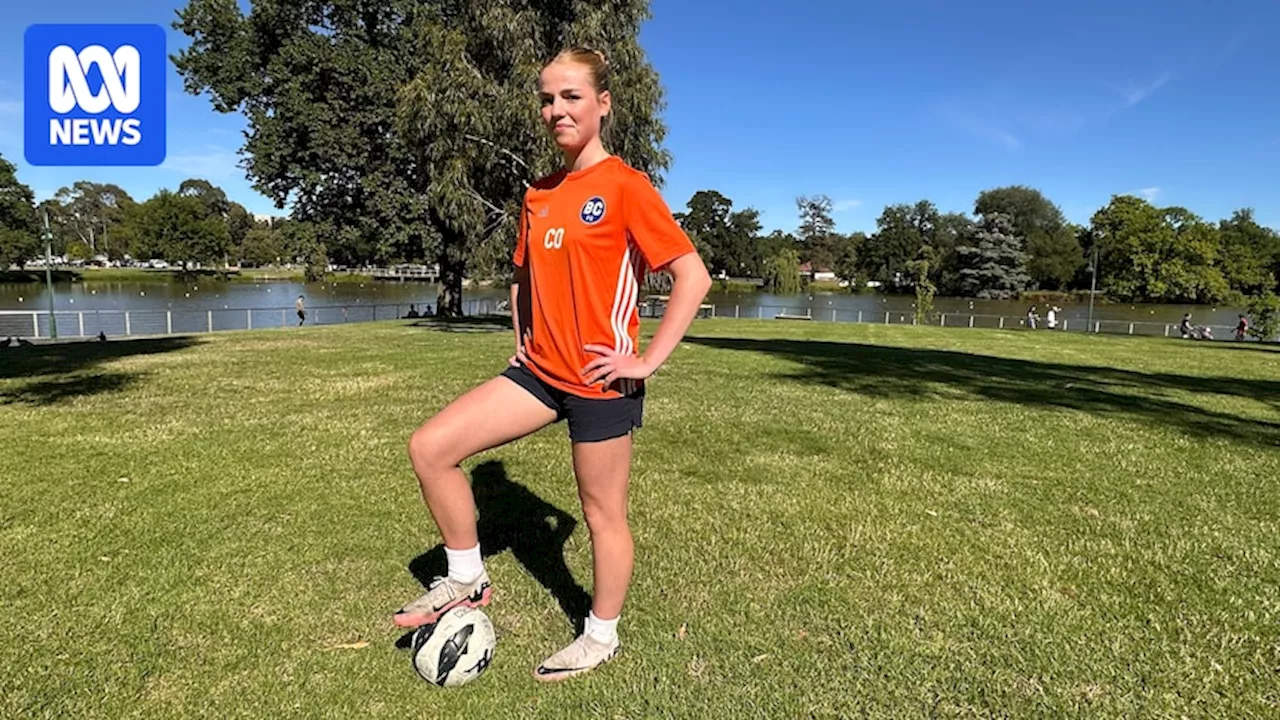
(316, 82)
(262, 246)
(952, 230)
(925, 289)
(409, 129)
(1049, 240)
(1248, 253)
(19, 230)
(1265, 311)
(902, 232)
(481, 140)
(819, 244)
(93, 211)
(728, 237)
(179, 228)
(239, 224)
(846, 265)
(212, 197)
(782, 272)
(993, 263)
(1151, 254)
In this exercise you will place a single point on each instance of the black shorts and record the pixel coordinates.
(589, 420)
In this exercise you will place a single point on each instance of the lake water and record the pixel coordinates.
(206, 295)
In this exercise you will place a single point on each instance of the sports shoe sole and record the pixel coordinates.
(411, 620)
(561, 675)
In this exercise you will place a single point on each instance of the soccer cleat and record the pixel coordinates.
(443, 594)
(583, 654)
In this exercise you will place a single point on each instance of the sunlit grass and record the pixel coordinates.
(830, 521)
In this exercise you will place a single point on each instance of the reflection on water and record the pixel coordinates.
(206, 294)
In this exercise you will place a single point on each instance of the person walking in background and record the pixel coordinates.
(1031, 318)
(1052, 318)
(302, 311)
(1242, 328)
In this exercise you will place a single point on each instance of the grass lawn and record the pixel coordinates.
(830, 521)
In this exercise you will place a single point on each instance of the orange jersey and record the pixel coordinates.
(587, 238)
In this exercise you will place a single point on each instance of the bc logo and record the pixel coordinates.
(94, 95)
(593, 210)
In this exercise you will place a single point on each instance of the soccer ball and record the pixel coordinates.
(456, 649)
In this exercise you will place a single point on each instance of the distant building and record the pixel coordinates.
(822, 274)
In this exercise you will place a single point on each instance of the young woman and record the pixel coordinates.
(587, 232)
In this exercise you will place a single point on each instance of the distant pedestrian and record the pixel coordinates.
(302, 311)
(1052, 317)
(1031, 318)
(1242, 328)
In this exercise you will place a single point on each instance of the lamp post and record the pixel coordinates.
(48, 276)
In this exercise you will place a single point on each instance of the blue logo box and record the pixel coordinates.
(94, 94)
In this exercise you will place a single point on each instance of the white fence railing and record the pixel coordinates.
(951, 320)
(34, 324)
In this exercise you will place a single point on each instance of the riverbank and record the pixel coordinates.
(171, 275)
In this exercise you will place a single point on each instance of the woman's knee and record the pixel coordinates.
(604, 516)
(427, 449)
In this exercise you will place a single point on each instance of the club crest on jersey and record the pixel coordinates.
(592, 210)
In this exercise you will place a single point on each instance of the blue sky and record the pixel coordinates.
(872, 103)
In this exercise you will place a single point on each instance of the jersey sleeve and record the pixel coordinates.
(522, 232)
(651, 225)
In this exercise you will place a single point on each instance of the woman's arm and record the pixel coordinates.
(691, 281)
(690, 286)
(520, 279)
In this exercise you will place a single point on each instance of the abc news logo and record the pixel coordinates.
(69, 89)
(94, 95)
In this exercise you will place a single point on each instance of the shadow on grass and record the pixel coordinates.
(61, 371)
(69, 357)
(50, 392)
(471, 323)
(892, 372)
(1249, 345)
(535, 531)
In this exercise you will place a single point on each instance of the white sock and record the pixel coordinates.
(606, 631)
(464, 565)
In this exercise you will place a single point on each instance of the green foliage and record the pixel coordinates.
(262, 246)
(1054, 255)
(992, 262)
(902, 232)
(19, 229)
(179, 228)
(782, 272)
(846, 265)
(409, 130)
(925, 289)
(93, 213)
(1264, 312)
(725, 238)
(1159, 255)
(1249, 253)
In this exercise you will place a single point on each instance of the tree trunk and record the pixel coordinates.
(452, 267)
